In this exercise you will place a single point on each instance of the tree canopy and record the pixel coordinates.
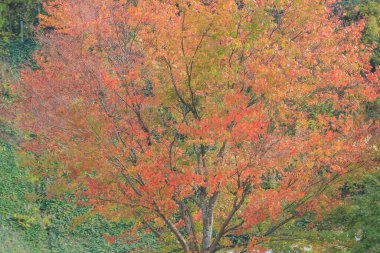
(206, 121)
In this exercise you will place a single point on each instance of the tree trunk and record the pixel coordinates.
(208, 221)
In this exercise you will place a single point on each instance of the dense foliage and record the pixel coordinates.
(31, 222)
(369, 10)
(38, 212)
(208, 121)
(18, 18)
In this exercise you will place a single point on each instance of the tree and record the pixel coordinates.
(351, 227)
(210, 123)
(32, 223)
(370, 11)
(17, 21)
(13, 50)
(15, 11)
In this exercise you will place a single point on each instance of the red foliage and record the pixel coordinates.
(232, 112)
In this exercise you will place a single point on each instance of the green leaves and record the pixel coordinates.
(369, 10)
(352, 227)
(32, 223)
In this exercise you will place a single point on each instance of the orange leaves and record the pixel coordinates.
(110, 239)
(156, 103)
(371, 90)
(109, 81)
(370, 94)
(269, 204)
(254, 243)
(264, 204)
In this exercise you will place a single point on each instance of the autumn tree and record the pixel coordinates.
(204, 121)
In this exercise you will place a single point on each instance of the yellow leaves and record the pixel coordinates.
(103, 8)
(153, 101)
(26, 159)
(336, 168)
(201, 141)
(77, 221)
(88, 43)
